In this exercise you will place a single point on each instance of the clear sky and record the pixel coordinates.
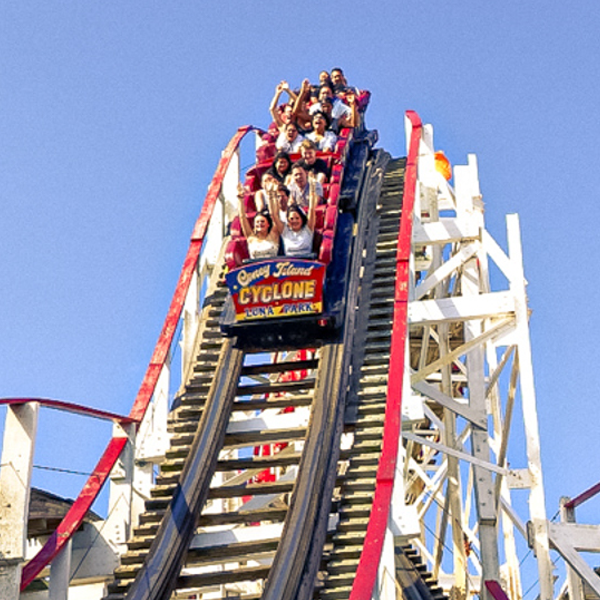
(113, 115)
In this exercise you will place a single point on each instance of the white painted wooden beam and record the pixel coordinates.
(445, 270)
(583, 538)
(278, 421)
(452, 452)
(15, 484)
(239, 534)
(457, 352)
(460, 308)
(563, 536)
(463, 410)
(444, 231)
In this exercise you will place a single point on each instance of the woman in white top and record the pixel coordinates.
(285, 115)
(323, 138)
(263, 240)
(298, 230)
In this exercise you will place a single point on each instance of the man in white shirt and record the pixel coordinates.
(300, 189)
(340, 109)
(289, 139)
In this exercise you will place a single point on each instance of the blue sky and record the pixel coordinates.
(112, 118)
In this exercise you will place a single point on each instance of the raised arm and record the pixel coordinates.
(352, 120)
(273, 107)
(300, 111)
(313, 199)
(286, 88)
(283, 86)
(245, 224)
(274, 209)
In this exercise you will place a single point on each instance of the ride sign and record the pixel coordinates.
(278, 287)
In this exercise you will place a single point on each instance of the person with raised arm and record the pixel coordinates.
(282, 200)
(261, 197)
(340, 108)
(338, 123)
(297, 232)
(281, 117)
(263, 239)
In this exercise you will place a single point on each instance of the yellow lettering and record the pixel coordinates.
(298, 290)
(287, 289)
(244, 296)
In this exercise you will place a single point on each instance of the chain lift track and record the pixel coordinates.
(374, 464)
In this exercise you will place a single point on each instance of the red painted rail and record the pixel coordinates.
(581, 498)
(77, 409)
(366, 573)
(74, 517)
(493, 587)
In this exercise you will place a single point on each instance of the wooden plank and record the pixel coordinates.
(482, 306)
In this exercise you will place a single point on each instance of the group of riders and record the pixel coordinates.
(289, 193)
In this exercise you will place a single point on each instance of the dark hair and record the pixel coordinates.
(320, 112)
(297, 164)
(328, 80)
(267, 216)
(282, 154)
(284, 189)
(337, 69)
(295, 208)
(272, 170)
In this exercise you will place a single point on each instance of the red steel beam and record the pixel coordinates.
(165, 339)
(78, 409)
(581, 498)
(493, 587)
(366, 572)
(74, 517)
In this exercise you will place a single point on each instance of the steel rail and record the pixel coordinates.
(287, 568)
(297, 559)
(368, 192)
(158, 576)
(74, 517)
(366, 573)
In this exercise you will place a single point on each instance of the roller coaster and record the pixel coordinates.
(351, 446)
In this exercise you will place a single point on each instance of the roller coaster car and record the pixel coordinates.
(287, 302)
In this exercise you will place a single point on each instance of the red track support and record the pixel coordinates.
(581, 498)
(68, 526)
(165, 339)
(493, 587)
(74, 517)
(368, 565)
(77, 409)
